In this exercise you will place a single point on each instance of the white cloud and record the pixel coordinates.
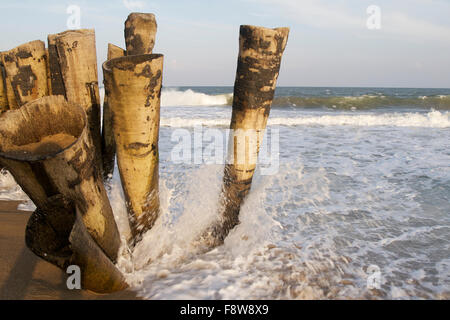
(317, 13)
(395, 21)
(401, 24)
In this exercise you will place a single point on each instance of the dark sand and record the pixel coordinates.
(25, 276)
(47, 145)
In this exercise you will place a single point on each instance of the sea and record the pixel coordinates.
(352, 200)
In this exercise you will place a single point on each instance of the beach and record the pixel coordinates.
(347, 196)
(25, 276)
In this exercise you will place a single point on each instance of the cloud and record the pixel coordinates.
(395, 21)
(401, 24)
(317, 13)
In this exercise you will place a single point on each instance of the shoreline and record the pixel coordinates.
(24, 276)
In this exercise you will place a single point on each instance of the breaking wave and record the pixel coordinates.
(364, 102)
(173, 97)
(432, 119)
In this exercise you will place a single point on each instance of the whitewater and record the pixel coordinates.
(359, 192)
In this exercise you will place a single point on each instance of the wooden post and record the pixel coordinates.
(133, 85)
(50, 135)
(98, 273)
(26, 69)
(12, 103)
(49, 79)
(56, 80)
(3, 97)
(260, 52)
(77, 60)
(108, 144)
(140, 33)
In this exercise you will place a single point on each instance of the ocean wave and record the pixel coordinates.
(173, 97)
(432, 119)
(441, 102)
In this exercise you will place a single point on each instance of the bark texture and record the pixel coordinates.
(108, 144)
(55, 174)
(133, 86)
(49, 79)
(10, 97)
(77, 60)
(260, 52)
(3, 97)
(98, 273)
(26, 69)
(140, 33)
(57, 83)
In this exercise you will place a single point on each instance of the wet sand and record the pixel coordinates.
(25, 276)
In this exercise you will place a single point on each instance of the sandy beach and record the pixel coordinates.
(25, 276)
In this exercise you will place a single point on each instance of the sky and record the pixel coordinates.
(330, 43)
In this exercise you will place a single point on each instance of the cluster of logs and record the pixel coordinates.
(52, 142)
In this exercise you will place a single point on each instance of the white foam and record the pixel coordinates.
(173, 97)
(10, 190)
(432, 119)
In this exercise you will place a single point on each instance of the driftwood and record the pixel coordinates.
(56, 80)
(47, 148)
(3, 97)
(77, 60)
(47, 67)
(260, 52)
(10, 97)
(133, 87)
(140, 33)
(26, 70)
(98, 273)
(108, 144)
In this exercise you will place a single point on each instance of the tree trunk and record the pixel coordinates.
(47, 66)
(108, 144)
(78, 63)
(3, 97)
(98, 273)
(140, 33)
(260, 52)
(47, 148)
(26, 69)
(133, 86)
(57, 83)
(12, 103)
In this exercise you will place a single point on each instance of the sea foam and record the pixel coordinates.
(432, 119)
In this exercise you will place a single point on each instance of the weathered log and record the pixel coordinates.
(47, 66)
(26, 69)
(260, 52)
(3, 97)
(47, 148)
(47, 232)
(133, 85)
(140, 33)
(98, 273)
(108, 144)
(12, 103)
(77, 58)
(74, 247)
(57, 83)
